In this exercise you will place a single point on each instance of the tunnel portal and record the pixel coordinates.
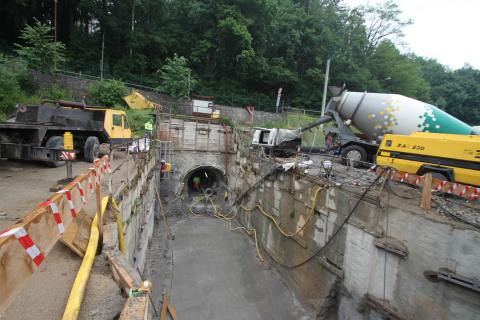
(211, 177)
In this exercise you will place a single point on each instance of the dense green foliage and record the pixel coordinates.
(14, 85)
(249, 47)
(40, 51)
(107, 93)
(175, 78)
(54, 93)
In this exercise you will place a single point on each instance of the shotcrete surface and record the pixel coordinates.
(218, 275)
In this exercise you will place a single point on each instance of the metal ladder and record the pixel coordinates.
(165, 148)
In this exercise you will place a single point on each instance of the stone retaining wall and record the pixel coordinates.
(79, 87)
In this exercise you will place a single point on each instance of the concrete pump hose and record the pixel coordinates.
(299, 230)
(76, 295)
(218, 215)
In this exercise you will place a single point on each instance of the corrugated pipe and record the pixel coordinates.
(76, 295)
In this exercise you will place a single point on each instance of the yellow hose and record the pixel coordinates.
(121, 243)
(306, 221)
(218, 215)
(76, 295)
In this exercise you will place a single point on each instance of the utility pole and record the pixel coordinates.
(324, 100)
(278, 98)
(101, 61)
(55, 41)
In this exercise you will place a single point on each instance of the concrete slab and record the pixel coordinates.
(217, 275)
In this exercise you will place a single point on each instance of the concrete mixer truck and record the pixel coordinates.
(377, 114)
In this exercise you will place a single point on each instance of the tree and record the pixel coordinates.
(40, 55)
(404, 72)
(383, 23)
(175, 77)
(107, 93)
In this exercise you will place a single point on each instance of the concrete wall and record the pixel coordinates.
(137, 212)
(79, 87)
(333, 283)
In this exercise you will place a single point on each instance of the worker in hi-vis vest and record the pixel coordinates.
(149, 127)
(196, 181)
(163, 168)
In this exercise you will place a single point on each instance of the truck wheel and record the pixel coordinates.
(356, 153)
(55, 142)
(92, 149)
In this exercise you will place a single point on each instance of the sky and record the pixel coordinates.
(446, 30)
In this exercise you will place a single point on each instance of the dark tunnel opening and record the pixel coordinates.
(210, 178)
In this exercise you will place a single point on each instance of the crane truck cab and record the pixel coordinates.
(37, 133)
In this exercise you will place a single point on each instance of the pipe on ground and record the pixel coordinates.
(76, 295)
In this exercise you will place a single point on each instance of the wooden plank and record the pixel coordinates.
(16, 266)
(172, 312)
(427, 193)
(69, 235)
(134, 309)
(164, 306)
(83, 234)
(123, 272)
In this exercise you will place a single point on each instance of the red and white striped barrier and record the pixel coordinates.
(38, 226)
(96, 174)
(417, 181)
(404, 177)
(462, 193)
(471, 192)
(89, 180)
(27, 243)
(70, 202)
(356, 184)
(441, 185)
(56, 214)
(80, 189)
(68, 155)
(474, 195)
(453, 187)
